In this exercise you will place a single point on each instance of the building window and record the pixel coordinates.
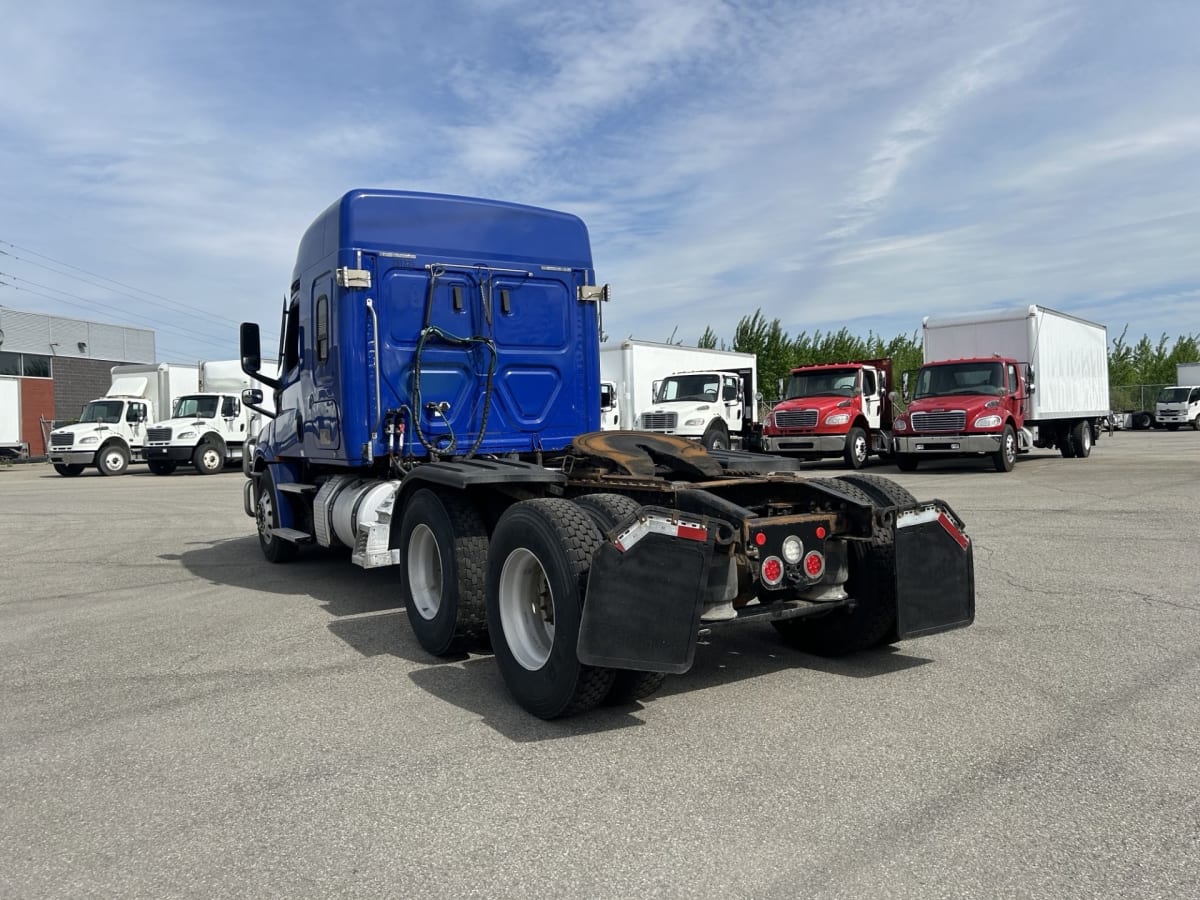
(35, 366)
(31, 365)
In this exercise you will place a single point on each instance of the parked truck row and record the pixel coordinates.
(164, 415)
(452, 431)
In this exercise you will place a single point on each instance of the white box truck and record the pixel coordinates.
(11, 445)
(111, 431)
(208, 428)
(997, 384)
(705, 395)
(1180, 404)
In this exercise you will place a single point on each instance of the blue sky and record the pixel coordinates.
(834, 164)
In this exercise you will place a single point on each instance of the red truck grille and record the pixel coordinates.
(796, 418)
(952, 420)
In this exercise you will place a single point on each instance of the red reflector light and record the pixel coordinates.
(760, 538)
(821, 532)
(772, 570)
(814, 564)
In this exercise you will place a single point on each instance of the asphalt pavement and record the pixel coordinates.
(179, 718)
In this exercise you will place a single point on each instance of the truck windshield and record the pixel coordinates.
(103, 411)
(689, 387)
(1173, 395)
(960, 378)
(198, 407)
(825, 383)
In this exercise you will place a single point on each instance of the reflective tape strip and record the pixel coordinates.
(691, 531)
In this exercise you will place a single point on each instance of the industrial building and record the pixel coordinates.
(51, 366)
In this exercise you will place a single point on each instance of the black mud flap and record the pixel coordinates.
(935, 572)
(645, 593)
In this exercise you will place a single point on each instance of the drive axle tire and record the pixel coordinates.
(162, 466)
(538, 564)
(871, 621)
(274, 548)
(112, 459)
(857, 449)
(883, 491)
(1196, 423)
(629, 685)
(208, 459)
(444, 545)
(1006, 457)
(68, 471)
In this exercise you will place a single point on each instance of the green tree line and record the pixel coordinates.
(1140, 363)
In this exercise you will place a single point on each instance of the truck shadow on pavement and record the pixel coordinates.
(366, 617)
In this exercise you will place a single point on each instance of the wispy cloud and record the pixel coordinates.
(853, 163)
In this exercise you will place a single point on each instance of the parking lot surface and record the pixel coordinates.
(179, 718)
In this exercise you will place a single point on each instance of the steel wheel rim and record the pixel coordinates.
(266, 515)
(112, 460)
(860, 448)
(210, 458)
(526, 609)
(425, 572)
(1010, 447)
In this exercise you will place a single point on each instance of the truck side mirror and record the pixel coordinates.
(904, 386)
(252, 397)
(251, 348)
(1030, 387)
(779, 388)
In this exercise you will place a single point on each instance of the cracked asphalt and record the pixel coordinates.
(179, 718)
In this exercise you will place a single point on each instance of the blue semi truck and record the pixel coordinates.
(437, 410)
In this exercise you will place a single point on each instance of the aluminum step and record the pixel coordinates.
(291, 534)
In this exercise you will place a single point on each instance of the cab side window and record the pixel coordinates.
(322, 328)
(730, 392)
(868, 383)
(1013, 382)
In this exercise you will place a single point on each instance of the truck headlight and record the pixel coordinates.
(186, 434)
(837, 419)
(694, 422)
(987, 422)
(900, 425)
(90, 439)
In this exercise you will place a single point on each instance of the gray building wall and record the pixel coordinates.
(81, 353)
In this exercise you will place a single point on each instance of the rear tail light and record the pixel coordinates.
(814, 564)
(772, 571)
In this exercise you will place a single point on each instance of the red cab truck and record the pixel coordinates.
(840, 409)
(1000, 383)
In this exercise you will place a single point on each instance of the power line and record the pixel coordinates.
(87, 304)
(186, 308)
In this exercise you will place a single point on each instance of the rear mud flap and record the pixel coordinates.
(643, 604)
(935, 572)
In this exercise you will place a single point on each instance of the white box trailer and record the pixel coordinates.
(633, 370)
(1187, 373)
(1067, 357)
(11, 444)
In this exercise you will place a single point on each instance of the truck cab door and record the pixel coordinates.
(872, 397)
(733, 400)
(1014, 401)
